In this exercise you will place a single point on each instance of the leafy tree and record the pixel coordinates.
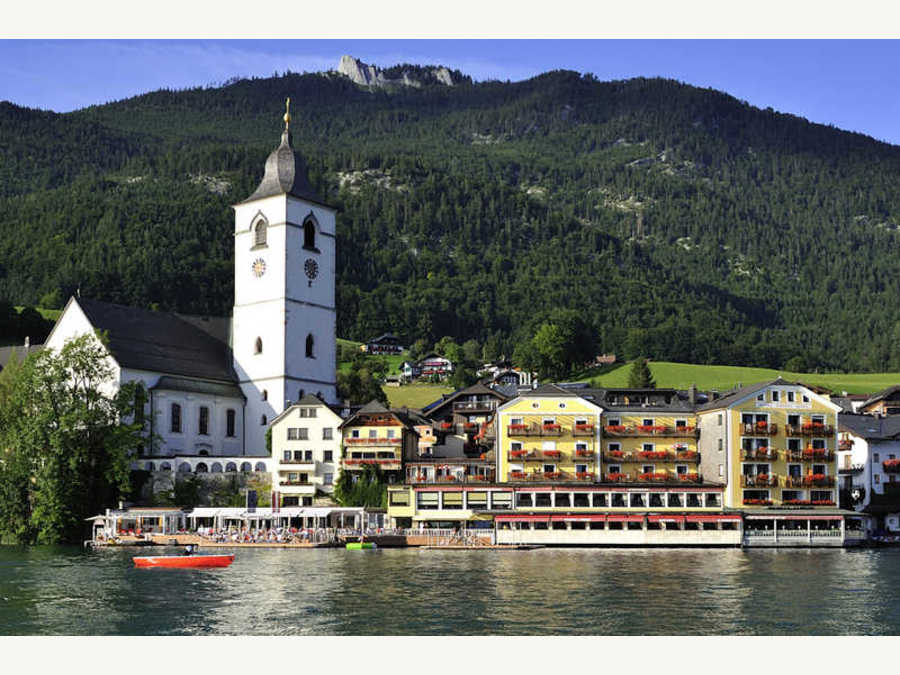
(362, 488)
(67, 444)
(418, 349)
(448, 348)
(471, 352)
(360, 387)
(640, 377)
(795, 364)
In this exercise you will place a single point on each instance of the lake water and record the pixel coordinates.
(67, 591)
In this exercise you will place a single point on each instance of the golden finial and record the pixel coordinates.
(287, 112)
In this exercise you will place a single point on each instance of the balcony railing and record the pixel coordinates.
(846, 444)
(585, 454)
(295, 483)
(655, 477)
(651, 430)
(758, 502)
(814, 429)
(760, 480)
(759, 429)
(583, 430)
(475, 406)
(311, 462)
(617, 456)
(852, 468)
(451, 479)
(749, 454)
(523, 430)
(380, 462)
(372, 441)
(891, 465)
(810, 455)
(690, 477)
(813, 480)
(523, 455)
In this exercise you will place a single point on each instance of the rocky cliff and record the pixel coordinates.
(372, 76)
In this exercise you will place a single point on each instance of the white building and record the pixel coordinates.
(869, 466)
(306, 452)
(215, 384)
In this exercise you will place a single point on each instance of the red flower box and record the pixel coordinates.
(616, 477)
(552, 475)
(693, 477)
(517, 474)
(518, 427)
(758, 502)
(518, 453)
(584, 427)
(551, 427)
(584, 453)
(551, 453)
(615, 429)
(616, 453)
(584, 474)
(445, 425)
(823, 502)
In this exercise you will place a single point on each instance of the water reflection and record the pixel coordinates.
(412, 592)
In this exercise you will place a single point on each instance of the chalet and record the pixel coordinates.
(885, 402)
(383, 344)
(435, 364)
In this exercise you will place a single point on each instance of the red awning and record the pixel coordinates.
(587, 518)
(712, 518)
(621, 518)
(665, 518)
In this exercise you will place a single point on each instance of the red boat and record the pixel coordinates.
(184, 561)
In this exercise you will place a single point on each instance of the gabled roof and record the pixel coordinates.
(657, 400)
(19, 350)
(386, 336)
(870, 427)
(881, 395)
(478, 388)
(552, 390)
(307, 400)
(159, 341)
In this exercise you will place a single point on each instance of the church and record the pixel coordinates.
(215, 384)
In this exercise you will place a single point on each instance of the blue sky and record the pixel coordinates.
(851, 84)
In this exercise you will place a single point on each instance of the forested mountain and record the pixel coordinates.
(682, 223)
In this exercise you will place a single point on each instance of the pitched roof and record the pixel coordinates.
(870, 427)
(159, 342)
(881, 395)
(737, 394)
(169, 383)
(20, 351)
(477, 388)
(643, 400)
(551, 390)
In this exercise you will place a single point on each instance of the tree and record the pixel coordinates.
(361, 488)
(418, 349)
(67, 443)
(640, 376)
(360, 387)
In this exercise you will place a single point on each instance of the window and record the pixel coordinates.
(373, 433)
(876, 478)
(309, 234)
(328, 456)
(761, 397)
(398, 498)
(598, 499)
(427, 500)
(614, 422)
(263, 421)
(721, 445)
(637, 500)
(297, 434)
(805, 398)
(203, 422)
(175, 416)
(614, 447)
(265, 394)
(720, 419)
(648, 447)
(309, 346)
(259, 233)
(354, 433)
(721, 469)
(230, 417)
(501, 500)
(308, 455)
(542, 499)
(522, 499)
(257, 348)
(790, 396)
(562, 499)
(476, 500)
(618, 500)
(391, 433)
(774, 396)
(287, 455)
(875, 457)
(712, 499)
(648, 422)
(515, 445)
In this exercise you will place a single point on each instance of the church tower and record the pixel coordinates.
(283, 331)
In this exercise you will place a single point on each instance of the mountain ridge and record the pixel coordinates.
(685, 223)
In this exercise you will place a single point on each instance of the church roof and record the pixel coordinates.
(285, 174)
(169, 383)
(159, 342)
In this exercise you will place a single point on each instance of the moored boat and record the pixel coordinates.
(184, 561)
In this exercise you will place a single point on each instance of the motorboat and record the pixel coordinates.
(183, 561)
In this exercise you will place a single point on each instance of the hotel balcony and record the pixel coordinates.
(373, 441)
(451, 479)
(298, 464)
(523, 455)
(810, 455)
(813, 480)
(617, 456)
(583, 430)
(296, 487)
(472, 407)
(808, 429)
(759, 429)
(588, 455)
(655, 477)
(766, 454)
(891, 466)
(845, 445)
(759, 481)
(386, 463)
(851, 468)
(654, 430)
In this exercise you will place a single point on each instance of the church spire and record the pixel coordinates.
(285, 169)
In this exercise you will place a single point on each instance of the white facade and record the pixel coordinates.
(284, 314)
(306, 451)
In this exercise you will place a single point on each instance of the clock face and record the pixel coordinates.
(311, 267)
(259, 267)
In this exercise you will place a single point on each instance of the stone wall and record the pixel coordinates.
(210, 489)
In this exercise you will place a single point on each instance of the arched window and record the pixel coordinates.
(216, 468)
(149, 466)
(203, 421)
(165, 466)
(259, 233)
(257, 348)
(319, 395)
(309, 234)
(184, 467)
(246, 467)
(231, 467)
(176, 419)
(260, 466)
(300, 394)
(230, 417)
(310, 341)
(263, 421)
(201, 467)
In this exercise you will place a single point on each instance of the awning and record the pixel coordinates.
(585, 518)
(665, 518)
(711, 518)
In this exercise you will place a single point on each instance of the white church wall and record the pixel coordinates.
(189, 441)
